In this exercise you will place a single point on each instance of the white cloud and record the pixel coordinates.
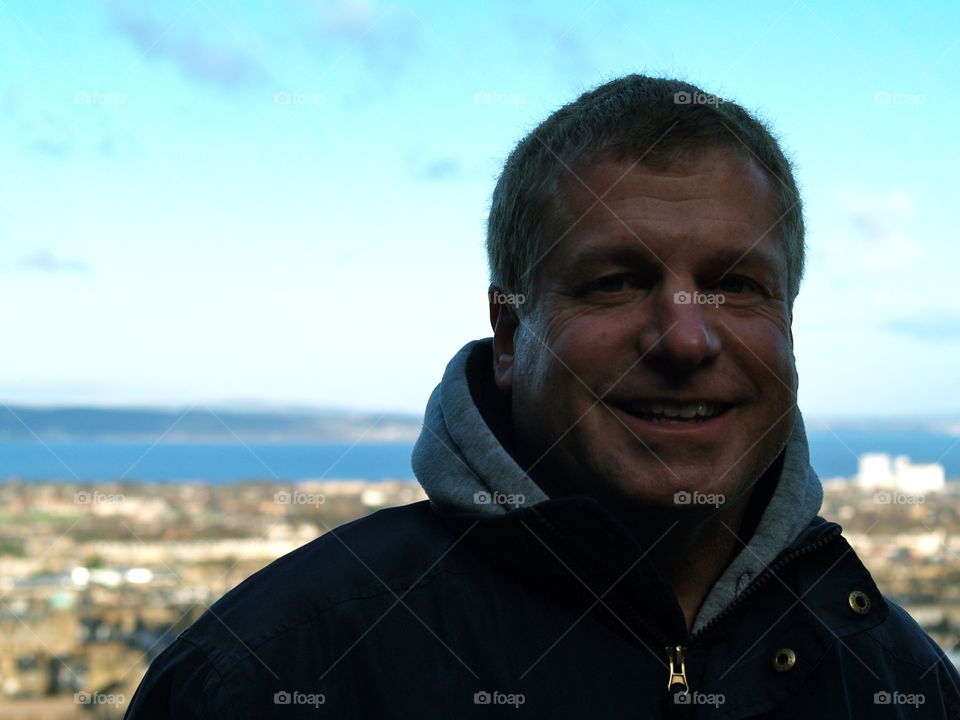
(881, 240)
(180, 40)
(47, 261)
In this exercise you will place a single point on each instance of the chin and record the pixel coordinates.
(690, 488)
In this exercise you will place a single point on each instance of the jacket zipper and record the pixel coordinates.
(677, 666)
(676, 654)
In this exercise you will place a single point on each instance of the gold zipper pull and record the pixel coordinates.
(678, 670)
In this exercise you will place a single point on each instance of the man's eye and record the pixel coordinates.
(736, 284)
(612, 283)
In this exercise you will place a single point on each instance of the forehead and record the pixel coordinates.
(717, 202)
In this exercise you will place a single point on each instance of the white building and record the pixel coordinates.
(878, 472)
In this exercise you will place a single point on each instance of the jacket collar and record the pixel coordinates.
(575, 554)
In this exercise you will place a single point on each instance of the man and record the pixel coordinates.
(622, 518)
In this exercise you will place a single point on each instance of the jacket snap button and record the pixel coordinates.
(784, 659)
(859, 602)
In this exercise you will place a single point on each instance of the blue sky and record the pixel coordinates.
(283, 202)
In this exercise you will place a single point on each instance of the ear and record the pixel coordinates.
(504, 321)
(796, 374)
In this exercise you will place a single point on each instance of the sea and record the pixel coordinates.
(833, 454)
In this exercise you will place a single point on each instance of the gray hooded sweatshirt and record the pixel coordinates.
(461, 452)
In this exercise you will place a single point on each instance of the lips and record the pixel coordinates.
(673, 412)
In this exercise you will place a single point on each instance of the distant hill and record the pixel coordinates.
(947, 425)
(202, 425)
(293, 424)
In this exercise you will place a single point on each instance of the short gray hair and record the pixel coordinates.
(657, 119)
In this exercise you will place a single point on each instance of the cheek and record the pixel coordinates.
(566, 364)
(765, 354)
(587, 346)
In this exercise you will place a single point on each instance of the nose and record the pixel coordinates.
(679, 330)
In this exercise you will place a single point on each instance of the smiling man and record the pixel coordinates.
(623, 520)
(657, 356)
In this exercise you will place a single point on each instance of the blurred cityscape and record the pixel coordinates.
(95, 581)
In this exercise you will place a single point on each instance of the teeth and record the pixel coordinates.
(671, 409)
(683, 411)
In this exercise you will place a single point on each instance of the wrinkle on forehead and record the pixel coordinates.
(720, 195)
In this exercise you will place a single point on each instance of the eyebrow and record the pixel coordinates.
(753, 255)
(625, 252)
(631, 250)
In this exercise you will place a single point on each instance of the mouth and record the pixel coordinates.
(662, 412)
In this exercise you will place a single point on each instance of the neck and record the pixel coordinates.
(690, 550)
(693, 555)
(693, 552)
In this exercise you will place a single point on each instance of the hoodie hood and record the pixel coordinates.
(463, 461)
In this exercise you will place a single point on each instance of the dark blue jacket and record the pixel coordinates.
(548, 611)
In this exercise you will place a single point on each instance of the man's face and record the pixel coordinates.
(612, 349)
